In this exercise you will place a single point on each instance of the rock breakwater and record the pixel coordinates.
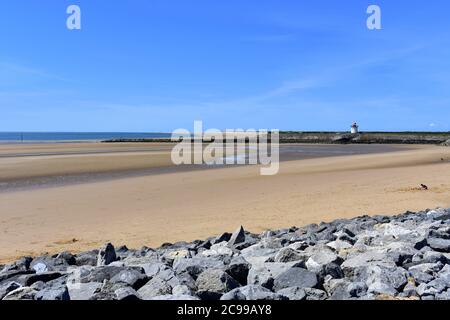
(380, 257)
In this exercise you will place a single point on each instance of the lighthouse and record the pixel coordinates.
(354, 128)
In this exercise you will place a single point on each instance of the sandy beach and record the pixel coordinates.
(139, 206)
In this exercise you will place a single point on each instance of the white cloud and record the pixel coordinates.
(14, 69)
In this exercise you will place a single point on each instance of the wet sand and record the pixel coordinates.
(183, 204)
(25, 166)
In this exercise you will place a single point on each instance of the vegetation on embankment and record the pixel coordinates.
(342, 138)
(366, 137)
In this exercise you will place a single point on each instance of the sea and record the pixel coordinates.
(13, 137)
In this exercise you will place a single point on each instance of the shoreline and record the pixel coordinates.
(51, 165)
(285, 137)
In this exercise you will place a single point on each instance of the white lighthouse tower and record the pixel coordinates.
(354, 128)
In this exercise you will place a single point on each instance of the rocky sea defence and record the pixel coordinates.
(379, 257)
(430, 138)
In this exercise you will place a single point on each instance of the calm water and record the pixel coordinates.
(75, 136)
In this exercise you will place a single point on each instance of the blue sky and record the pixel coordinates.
(158, 65)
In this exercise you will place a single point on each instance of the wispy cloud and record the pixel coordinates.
(15, 69)
(17, 94)
(269, 38)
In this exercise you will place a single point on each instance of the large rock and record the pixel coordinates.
(67, 257)
(212, 283)
(88, 258)
(54, 290)
(151, 269)
(271, 243)
(315, 294)
(439, 214)
(343, 289)
(445, 272)
(393, 277)
(106, 255)
(428, 268)
(443, 233)
(172, 279)
(339, 245)
(98, 274)
(44, 277)
(132, 277)
(7, 288)
(357, 263)
(295, 277)
(252, 292)
(401, 252)
(419, 276)
(218, 249)
(170, 255)
(293, 293)
(258, 254)
(324, 262)
(381, 288)
(436, 286)
(264, 273)
(180, 289)
(47, 264)
(238, 269)
(83, 291)
(22, 293)
(429, 257)
(445, 295)
(288, 255)
(195, 266)
(354, 290)
(126, 293)
(18, 276)
(237, 237)
(226, 236)
(171, 297)
(395, 230)
(155, 287)
(439, 244)
(23, 264)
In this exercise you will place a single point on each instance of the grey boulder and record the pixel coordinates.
(252, 292)
(295, 277)
(83, 291)
(293, 293)
(106, 255)
(212, 283)
(237, 237)
(155, 287)
(126, 293)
